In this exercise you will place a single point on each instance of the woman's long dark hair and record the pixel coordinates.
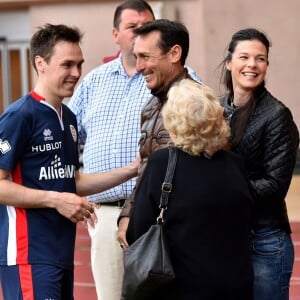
(242, 115)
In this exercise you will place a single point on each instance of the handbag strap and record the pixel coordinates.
(166, 187)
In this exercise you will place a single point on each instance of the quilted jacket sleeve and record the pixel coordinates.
(278, 151)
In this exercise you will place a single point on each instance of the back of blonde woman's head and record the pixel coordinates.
(194, 118)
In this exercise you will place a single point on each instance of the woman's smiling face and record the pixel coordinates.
(248, 65)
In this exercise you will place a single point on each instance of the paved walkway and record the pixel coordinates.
(293, 199)
(84, 286)
(295, 280)
(293, 206)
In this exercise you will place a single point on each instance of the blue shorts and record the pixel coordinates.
(35, 282)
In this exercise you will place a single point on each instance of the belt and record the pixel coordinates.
(118, 203)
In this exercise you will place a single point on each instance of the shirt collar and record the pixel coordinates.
(117, 66)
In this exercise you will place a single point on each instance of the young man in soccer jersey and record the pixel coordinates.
(40, 185)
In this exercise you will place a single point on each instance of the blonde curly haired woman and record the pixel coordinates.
(208, 218)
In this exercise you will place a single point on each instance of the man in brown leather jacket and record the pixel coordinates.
(161, 48)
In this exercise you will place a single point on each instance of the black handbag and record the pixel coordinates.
(147, 265)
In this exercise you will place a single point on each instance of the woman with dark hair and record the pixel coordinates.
(264, 134)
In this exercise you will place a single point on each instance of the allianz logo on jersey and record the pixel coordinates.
(57, 171)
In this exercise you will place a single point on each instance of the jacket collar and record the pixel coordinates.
(162, 93)
(226, 100)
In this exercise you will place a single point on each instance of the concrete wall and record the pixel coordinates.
(15, 25)
(211, 24)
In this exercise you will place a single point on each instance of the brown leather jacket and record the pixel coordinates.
(153, 134)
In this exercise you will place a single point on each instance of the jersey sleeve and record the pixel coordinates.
(14, 133)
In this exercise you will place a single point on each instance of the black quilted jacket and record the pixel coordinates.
(269, 148)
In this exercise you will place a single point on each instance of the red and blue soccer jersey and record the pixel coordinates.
(39, 147)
